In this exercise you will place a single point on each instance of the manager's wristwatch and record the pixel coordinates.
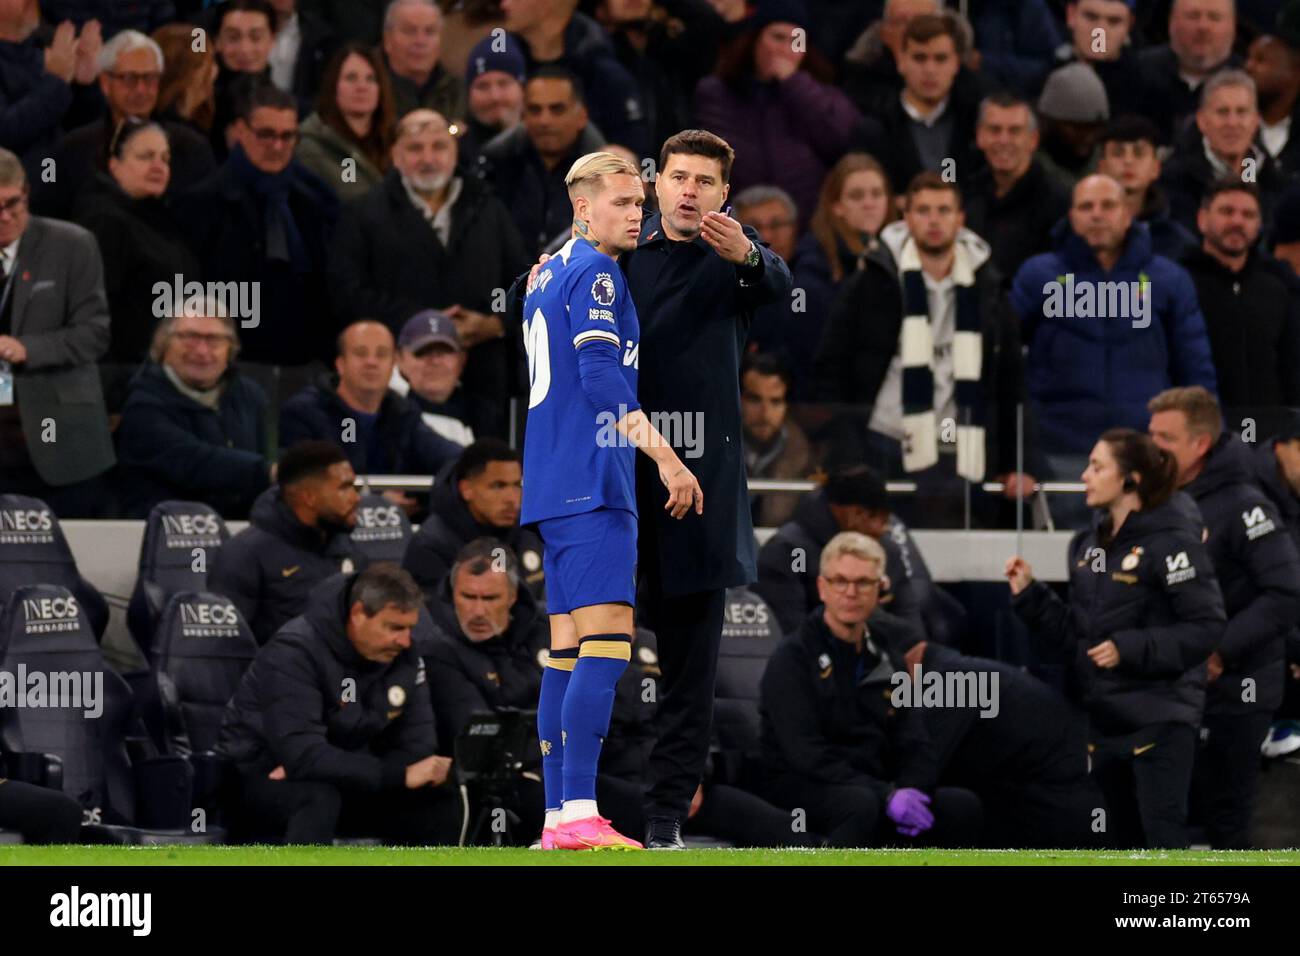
(753, 257)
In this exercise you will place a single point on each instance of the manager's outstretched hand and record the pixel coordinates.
(726, 236)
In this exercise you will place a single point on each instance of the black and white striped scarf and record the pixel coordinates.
(921, 433)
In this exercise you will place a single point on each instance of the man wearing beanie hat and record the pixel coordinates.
(1073, 109)
(494, 93)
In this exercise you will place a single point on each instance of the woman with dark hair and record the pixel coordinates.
(138, 238)
(353, 121)
(775, 104)
(186, 91)
(1144, 613)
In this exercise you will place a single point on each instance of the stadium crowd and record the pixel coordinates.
(254, 250)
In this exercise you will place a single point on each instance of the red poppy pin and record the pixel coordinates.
(27, 276)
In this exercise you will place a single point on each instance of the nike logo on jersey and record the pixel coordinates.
(289, 572)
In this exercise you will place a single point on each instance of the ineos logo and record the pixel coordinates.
(747, 613)
(190, 524)
(387, 517)
(26, 520)
(209, 614)
(50, 609)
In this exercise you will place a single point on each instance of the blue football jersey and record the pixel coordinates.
(575, 460)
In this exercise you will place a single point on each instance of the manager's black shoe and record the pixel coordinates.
(664, 833)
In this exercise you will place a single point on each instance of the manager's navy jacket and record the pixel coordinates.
(695, 309)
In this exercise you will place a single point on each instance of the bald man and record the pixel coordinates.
(1108, 325)
(380, 431)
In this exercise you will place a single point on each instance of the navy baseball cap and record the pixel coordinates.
(426, 328)
(495, 53)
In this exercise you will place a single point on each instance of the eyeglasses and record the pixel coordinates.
(213, 341)
(841, 585)
(268, 136)
(136, 79)
(12, 206)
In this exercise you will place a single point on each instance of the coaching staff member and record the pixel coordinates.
(1259, 575)
(696, 276)
(1144, 613)
(332, 728)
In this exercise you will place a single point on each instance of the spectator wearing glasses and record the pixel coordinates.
(193, 427)
(49, 343)
(131, 70)
(262, 218)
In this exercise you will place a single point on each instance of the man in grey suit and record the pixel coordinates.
(54, 438)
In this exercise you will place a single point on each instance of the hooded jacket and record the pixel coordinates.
(1153, 592)
(1087, 374)
(861, 339)
(450, 526)
(792, 594)
(1258, 569)
(269, 569)
(466, 676)
(288, 710)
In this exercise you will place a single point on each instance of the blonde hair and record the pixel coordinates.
(1197, 404)
(587, 173)
(855, 543)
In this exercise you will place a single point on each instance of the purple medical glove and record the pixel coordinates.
(910, 809)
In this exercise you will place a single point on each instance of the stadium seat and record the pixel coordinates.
(33, 550)
(382, 531)
(200, 650)
(80, 746)
(749, 636)
(170, 561)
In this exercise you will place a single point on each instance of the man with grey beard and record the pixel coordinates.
(426, 238)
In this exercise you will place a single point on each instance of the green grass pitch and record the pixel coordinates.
(386, 856)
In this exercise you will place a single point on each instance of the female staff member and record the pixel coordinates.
(1144, 614)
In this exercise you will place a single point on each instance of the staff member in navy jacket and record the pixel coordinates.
(696, 276)
(1259, 573)
(1143, 616)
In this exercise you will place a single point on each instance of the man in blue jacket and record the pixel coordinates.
(1108, 324)
(380, 431)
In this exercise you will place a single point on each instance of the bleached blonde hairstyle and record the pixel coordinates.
(587, 174)
(859, 545)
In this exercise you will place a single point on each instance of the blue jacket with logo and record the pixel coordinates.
(1084, 375)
